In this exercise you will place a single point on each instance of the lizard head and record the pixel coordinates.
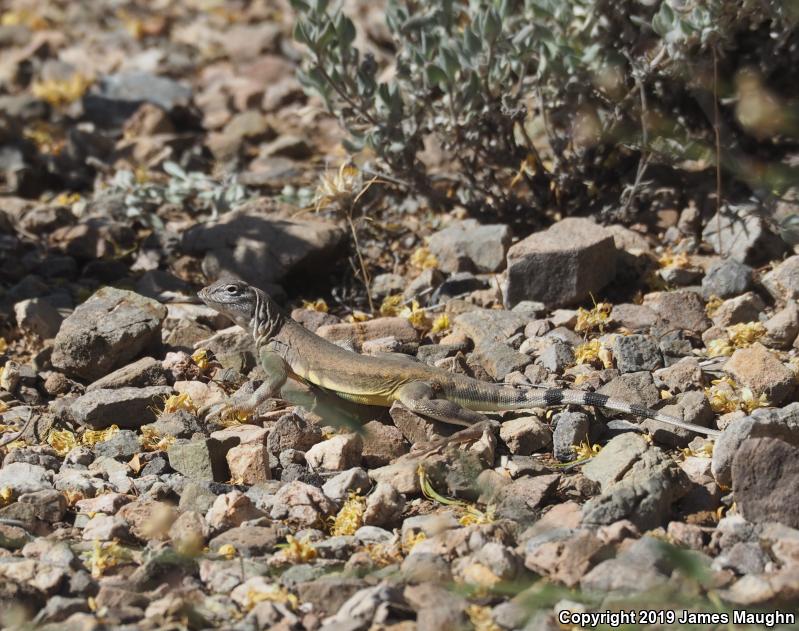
(233, 298)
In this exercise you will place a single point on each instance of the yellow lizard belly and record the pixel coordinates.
(366, 399)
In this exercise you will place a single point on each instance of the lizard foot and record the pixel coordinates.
(233, 408)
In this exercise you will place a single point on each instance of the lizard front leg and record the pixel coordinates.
(419, 397)
(277, 372)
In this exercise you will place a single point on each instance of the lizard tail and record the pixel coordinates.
(516, 398)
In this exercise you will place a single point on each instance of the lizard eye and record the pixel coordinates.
(231, 289)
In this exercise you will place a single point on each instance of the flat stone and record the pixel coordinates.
(382, 443)
(744, 236)
(271, 249)
(292, 432)
(142, 373)
(126, 407)
(38, 316)
(561, 266)
(416, 428)
(726, 278)
(615, 459)
(340, 452)
(356, 333)
(250, 540)
(744, 308)
(683, 309)
(468, 246)
(765, 474)
(22, 477)
(633, 387)
(108, 330)
(200, 460)
(783, 281)
(249, 463)
(634, 353)
(525, 435)
(565, 558)
(759, 369)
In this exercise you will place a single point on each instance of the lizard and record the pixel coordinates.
(286, 349)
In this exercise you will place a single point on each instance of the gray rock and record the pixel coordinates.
(639, 568)
(683, 309)
(467, 245)
(490, 325)
(382, 443)
(521, 501)
(201, 460)
(59, 608)
(726, 278)
(22, 477)
(556, 357)
(782, 328)
(644, 495)
(199, 495)
(783, 281)
(499, 360)
(38, 316)
(744, 235)
(292, 432)
(340, 452)
(692, 407)
(388, 284)
(123, 445)
(180, 424)
(273, 248)
(302, 504)
(144, 372)
(525, 435)
(354, 334)
(48, 504)
(765, 474)
(744, 308)
(250, 540)
(633, 387)
(131, 89)
(106, 332)
(615, 460)
(634, 353)
(340, 486)
(742, 558)
(125, 407)
(373, 534)
(384, 506)
(416, 428)
(456, 285)
(561, 266)
(426, 568)
(423, 285)
(571, 428)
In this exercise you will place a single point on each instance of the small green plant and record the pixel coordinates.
(561, 106)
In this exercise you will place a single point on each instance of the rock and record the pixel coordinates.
(692, 407)
(561, 266)
(633, 317)
(757, 368)
(356, 333)
(765, 472)
(302, 504)
(401, 475)
(48, 505)
(742, 558)
(272, 249)
(250, 541)
(644, 495)
(340, 486)
(106, 528)
(637, 569)
(38, 316)
(745, 308)
(388, 284)
(783, 281)
(564, 555)
(684, 375)
(571, 429)
(21, 477)
(525, 435)
(329, 593)
(682, 309)
(416, 428)
(633, 387)
(292, 432)
(249, 463)
(556, 357)
(522, 499)
(384, 506)
(312, 319)
(382, 443)
(615, 460)
(230, 510)
(142, 373)
(337, 453)
(123, 445)
(125, 407)
(499, 360)
(726, 278)
(106, 332)
(108, 503)
(200, 459)
(200, 496)
(634, 353)
(180, 424)
(468, 246)
(744, 236)
(782, 328)
(148, 519)
(128, 90)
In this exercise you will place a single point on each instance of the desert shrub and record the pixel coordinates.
(579, 106)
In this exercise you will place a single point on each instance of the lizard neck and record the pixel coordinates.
(268, 320)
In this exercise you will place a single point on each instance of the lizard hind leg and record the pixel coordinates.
(419, 397)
